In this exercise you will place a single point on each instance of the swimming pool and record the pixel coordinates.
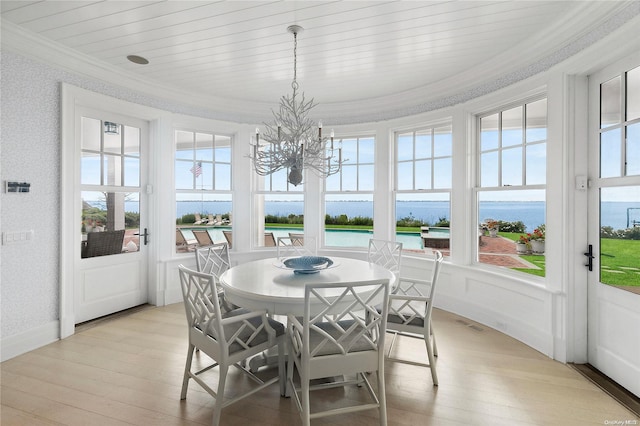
(333, 237)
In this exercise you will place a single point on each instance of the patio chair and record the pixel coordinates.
(103, 243)
(199, 220)
(269, 239)
(334, 339)
(203, 237)
(228, 235)
(227, 338)
(183, 243)
(410, 309)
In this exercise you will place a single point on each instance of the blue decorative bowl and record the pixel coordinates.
(307, 264)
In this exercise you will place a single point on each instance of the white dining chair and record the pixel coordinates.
(294, 246)
(410, 309)
(215, 260)
(387, 254)
(333, 339)
(227, 338)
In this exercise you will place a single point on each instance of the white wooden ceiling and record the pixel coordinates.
(349, 50)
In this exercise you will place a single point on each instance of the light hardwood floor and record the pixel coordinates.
(129, 371)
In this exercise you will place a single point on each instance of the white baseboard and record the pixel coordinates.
(29, 340)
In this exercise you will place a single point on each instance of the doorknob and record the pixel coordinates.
(145, 236)
(589, 255)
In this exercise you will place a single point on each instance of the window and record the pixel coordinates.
(278, 206)
(348, 197)
(203, 186)
(620, 179)
(110, 182)
(511, 193)
(423, 188)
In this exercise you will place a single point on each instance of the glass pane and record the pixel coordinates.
(184, 145)
(223, 154)
(204, 146)
(91, 129)
(489, 132)
(610, 103)
(489, 169)
(131, 141)
(610, 154)
(283, 213)
(633, 150)
(620, 236)
(512, 214)
(423, 145)
(105, 213)
(349, 178)
(350, 151)
(131, 171)
(332, 183)
(536, 164)
(423, 174)
(113, 143)
(365, 178)
(213, 209)
(366, 150)
(279, 180)
(348, 220)
(442, 143)
(184, 176)
(414, 211)
(405, 175)
(223, 177)
(405, 146)
(205, 180)
(512, 127)
(633, 94)
(442, 173)
(512, 167)
(112, 170)
(537, 121)
(90, 169)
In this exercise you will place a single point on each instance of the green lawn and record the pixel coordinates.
(620, 262)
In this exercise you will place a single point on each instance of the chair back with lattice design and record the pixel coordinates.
(213, 259)
(217, 333)
(341, 331)
(411, 305)
(293, 247)
(387, 254)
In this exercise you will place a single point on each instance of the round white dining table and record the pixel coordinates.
(265, 284)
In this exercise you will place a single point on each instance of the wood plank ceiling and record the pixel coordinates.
(349, 50)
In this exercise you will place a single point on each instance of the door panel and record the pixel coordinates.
(614, 224)
(111, 263)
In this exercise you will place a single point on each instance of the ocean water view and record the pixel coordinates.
(531, 213)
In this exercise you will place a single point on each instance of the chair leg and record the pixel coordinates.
(217, 407)
(382, 398)
(187, 370)
(282, 373)
(433, 339)
(306, 405)
(432, 360)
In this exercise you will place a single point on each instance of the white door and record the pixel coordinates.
(110, 257)
(614, 223)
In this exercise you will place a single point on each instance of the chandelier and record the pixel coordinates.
(293, 141)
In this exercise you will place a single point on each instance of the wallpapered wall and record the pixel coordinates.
(30, 152)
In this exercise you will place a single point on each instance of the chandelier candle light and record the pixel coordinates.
(291, 142)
